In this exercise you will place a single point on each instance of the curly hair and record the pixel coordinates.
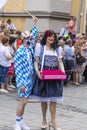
(49, 33)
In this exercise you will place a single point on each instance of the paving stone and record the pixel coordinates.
(71, 113)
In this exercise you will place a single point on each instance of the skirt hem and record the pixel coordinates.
(50, 99)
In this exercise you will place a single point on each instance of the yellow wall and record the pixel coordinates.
(75, 12)
(12, 7)
(18, 22)
(83, 17)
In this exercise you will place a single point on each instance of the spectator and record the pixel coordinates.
(18, 39)
(63, 32)
(2, 26)
(72, 27)
(7, 33)
(5, 58)
(77, 66)
(11, 27)
(60, 49)
(69, 63)
(9, 86)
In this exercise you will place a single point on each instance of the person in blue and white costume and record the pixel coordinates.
(24, 71)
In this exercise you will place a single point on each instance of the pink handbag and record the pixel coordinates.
(53, 75)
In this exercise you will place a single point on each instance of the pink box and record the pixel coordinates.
(53, 75)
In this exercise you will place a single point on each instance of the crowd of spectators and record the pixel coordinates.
(74, 49)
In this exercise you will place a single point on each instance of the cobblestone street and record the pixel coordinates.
(71, 114)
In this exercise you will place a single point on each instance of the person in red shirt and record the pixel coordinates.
(19, 40)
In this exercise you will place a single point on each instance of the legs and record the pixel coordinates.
(3, 74)
(52, 113)
(76, 78)
(8, 84)
(20, 111)
(21, 106)
(52, 123)
(44, 111)
(68, 67)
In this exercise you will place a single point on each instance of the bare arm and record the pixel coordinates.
(9, 57)
(38, 72)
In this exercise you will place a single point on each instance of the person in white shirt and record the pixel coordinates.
(9, 86)
(60, 49)
(5, 63)
(10, 26)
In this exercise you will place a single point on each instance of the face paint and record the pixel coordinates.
(28, 42)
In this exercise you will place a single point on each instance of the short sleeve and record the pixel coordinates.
(37, 49)
(7, 52)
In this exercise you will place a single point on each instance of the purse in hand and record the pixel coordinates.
(52, 74)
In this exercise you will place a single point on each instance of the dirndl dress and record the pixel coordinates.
(48, 90)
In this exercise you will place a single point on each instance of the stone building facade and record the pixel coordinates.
(52, 14)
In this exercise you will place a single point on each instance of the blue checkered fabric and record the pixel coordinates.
(24, 68)
(33, 33)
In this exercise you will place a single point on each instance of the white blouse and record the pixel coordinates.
(47, 52)
(3, 53)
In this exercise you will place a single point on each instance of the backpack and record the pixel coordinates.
(79, 59)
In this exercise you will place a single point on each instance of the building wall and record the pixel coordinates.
(49, 13)
(78, 10)
(43, 24)
(12, 11)
(52, 14)
(60, 6)
(12, 6)
(57, 24)
(48, 5)
(38, 5)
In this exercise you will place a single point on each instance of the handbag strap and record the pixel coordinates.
(43, 58)
(44, 51)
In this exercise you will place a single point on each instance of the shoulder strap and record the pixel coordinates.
(57, 52)
(41, 54)
(42, 63)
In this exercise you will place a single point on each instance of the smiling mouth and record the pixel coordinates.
(51, 40)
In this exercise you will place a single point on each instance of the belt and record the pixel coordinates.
(50, 67)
